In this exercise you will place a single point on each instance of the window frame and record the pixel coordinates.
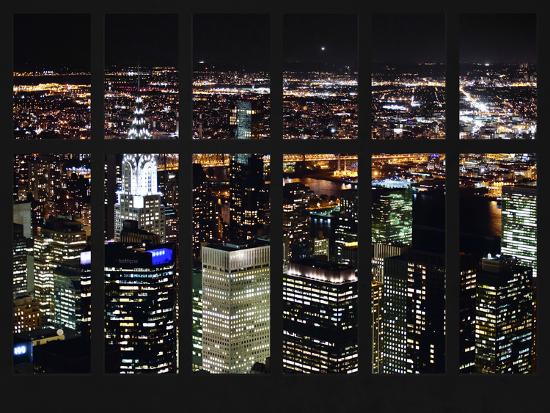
(276, 391)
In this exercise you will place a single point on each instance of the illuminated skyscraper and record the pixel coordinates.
(391, 237)
(504, 329)
(392, 216)
(519, 225)
(197, 318)
(72, 283)
(413, 314)
(139, 199)
(321, 248)
(26, 314)
(206, 216)
(138, 127)
(58, 241)
(380, 253)
(241, 117)
(247, 199)
(320, 317)
(344, 230)
(19, 279)
(140, 302)
(22, 187)
(296, 221)
(469, 268)
(235, 306)
(22, 215)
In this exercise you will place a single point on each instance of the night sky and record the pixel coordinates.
(498, 38)
(232, 41)
(408, 38)
(141, 39)
(52, 41)
(305, 36)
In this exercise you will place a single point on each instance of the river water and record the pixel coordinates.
(479, 220)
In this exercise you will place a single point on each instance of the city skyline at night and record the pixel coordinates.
(141, 64)
(51, 263)
(51, 79)
(320, 254)
(498, 76)
(320, 76)
(228, 265)
(142, 264)
(408, 263)
(408, 77)
(231, 263)
(231, 83)
(498, 277)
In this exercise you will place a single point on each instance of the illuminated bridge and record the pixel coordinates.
(212, 160)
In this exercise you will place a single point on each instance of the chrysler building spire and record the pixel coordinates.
(138, 127)
(139, 199)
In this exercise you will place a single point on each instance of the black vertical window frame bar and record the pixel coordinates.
(185, 186)
(7, 162)
(542, 294)
(451, 196)
(276, 195)
(98, 195)
(364, 314)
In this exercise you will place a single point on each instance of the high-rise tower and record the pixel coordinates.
(139, 199)
(241, 117)
(140, 302)
(519, 224)
(344, 241)
(391, 236)
(320, 317)
(247, 202)
(206, 215)
(505, 328)
(235, 306)
(56, 242)
(412, 325)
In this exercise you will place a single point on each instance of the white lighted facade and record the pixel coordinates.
(519, 225)
(54, 245)
(139, 199)
(72, 292)
(235, 307)
(19, 274)
(241, 117)
(380, 252)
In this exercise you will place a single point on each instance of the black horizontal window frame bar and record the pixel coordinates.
(449, 391)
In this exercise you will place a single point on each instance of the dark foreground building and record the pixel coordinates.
(319, 317)
(140, 302)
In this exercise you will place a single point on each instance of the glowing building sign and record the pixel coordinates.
(20, 350)
(161, 256)
(85, 257)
